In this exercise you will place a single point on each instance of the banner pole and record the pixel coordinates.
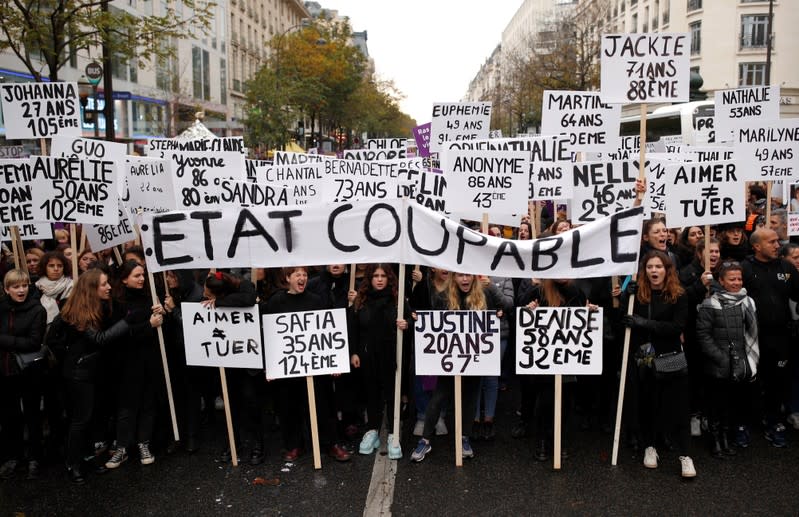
(83, 238)
(317, 457)
(769, 186)
(228, 418)
(398, 370)
(707, 247)
(117, 256)
(353, 267)
(15, 248)
(458, 422)
(74, 260)
(556, 432)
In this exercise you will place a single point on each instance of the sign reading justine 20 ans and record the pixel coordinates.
(40, 110)
(645, 67)
(457, 343)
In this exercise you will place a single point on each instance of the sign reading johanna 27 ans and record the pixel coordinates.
(40, 110)
(651, 67)
(457, 343)
(228, 337)
(305, 344)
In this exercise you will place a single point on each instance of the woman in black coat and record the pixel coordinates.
(22, 326)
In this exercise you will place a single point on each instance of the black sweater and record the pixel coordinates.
(770, 284)
(22, 327)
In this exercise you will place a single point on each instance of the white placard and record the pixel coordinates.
(29, 232)
(591, 124)
(16, 192)
(602, 189)
(86, 149)
(150, 187)
(228, 337)
(40, 110)
(455, 121)
(378, 149)
(163, 147)
(487, 181)
(744, 107)
(378, 231)
(285, 193)
(793, 210)
(700, 193)
(629, 149)
(252, 167)
(351, 180)
(289, 158)
(429, 190)
(558, 340)
(74, 191)
(304, 344)
(652, 67)
(768, 152)
(656, 184)
(197, 176)
(104, 236)
(457, 343)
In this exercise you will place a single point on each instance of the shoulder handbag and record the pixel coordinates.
(670, 364)
(27, 359)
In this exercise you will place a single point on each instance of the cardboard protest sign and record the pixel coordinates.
(16, 192)
(304, 344)
(378, 149)
(376, 231)
(227, 337)
(454, 121)
(652, 67)
(86, 148)
(104, 236)
(162, 147)
(769, 151)
(602, 189)
(495, 181)
(29, 232)
(74, 191)
(457, 343)
(558, 340)
(793, 210)
(351, 180)
(197, 176)
(289, 158)
(429, 191)
(40, 110)
(150, 187)
(591, 124)
(422, 136)
(252, 166)
(12, 152)
(291, 192)
(629, 149)
(700, 193)
(743, 107)
(656, 185)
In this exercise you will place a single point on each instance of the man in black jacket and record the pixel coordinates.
(771, 282)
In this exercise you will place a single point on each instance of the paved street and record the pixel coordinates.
(503, 479)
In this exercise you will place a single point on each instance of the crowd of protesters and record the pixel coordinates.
(95, 395)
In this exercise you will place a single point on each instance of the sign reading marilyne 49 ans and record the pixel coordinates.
(304, 344)
(651, 67)
(699, 193)
(495, 181)
(743, 107)
(457, 343)
(768, 151)
(229, 337)
(591, 124)
(40, 110)
(453, 121)
(558, 340)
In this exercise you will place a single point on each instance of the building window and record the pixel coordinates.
(222, 81)
(751, 74)
(693, 5)
(754, 28)
(634, 23)
(201, 73)
(696, 37)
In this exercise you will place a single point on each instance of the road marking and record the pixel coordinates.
(381, 487)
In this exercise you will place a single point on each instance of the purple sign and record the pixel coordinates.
(422, 136)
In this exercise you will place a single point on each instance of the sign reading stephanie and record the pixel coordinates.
(303, 344)
(229, 337)
(40, 110)
(457, 343)
(558, 340)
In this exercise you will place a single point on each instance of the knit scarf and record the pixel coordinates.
(723, 299)
(52, 291)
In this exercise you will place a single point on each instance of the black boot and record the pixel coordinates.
(541, 451)
(725, 443)
(715, 440)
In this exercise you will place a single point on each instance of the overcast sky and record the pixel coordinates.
(432, 49)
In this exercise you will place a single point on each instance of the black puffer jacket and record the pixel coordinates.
(22, 327)
(84, 348)
(720, 333)
(667, 321)
(373, 329)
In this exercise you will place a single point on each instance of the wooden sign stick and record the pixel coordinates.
(317, 456)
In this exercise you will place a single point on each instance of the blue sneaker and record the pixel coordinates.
(742, 438)
(776, 436)
(370, 442)
(467, 448)
(421, 450)
(394, 453)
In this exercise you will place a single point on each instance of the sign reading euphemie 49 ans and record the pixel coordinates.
(639, 68)
(40, 110)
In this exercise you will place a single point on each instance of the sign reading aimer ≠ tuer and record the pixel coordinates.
(229, 337)
(700, 193)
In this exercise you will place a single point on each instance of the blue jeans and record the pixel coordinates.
(489, 389)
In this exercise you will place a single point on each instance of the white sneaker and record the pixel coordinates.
(696, 426)
(219, 404)
(441, 427)
(651, 458)
(418, 429)
(687, 465)
(793, 419)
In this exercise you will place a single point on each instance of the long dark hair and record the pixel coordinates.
(122, 273)
(672, 289)
(221, 284)
(366, 283)
(54, 255)
(84, 309)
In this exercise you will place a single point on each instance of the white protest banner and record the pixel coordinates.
(16, 192)
(74, 191)
(454, 121)
(40, 110)
(227, 337)
(12, 152)
(378, 149)
(197, 175)
(150, 187)
(591, 124)
(702, 193)
(285, 193)
(495, 181)
(86, 148)
(305, 344)
(653, 67)
(793, 210)
(351, 180)
(252, 167)
(602, 188)
(457, 343)
(162, 147)
(104, 236)
(769, 151)
(743, 107)
(558, 340)
(29, 232)
(376, 231)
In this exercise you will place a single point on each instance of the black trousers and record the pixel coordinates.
(24, 387)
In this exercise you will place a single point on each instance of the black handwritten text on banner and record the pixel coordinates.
(375, 231)
(229, 337)
(558, 340)
(40, 110)
(302, 344)
(457, 343)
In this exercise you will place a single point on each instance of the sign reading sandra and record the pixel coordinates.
(457, 343)
(229, 337)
